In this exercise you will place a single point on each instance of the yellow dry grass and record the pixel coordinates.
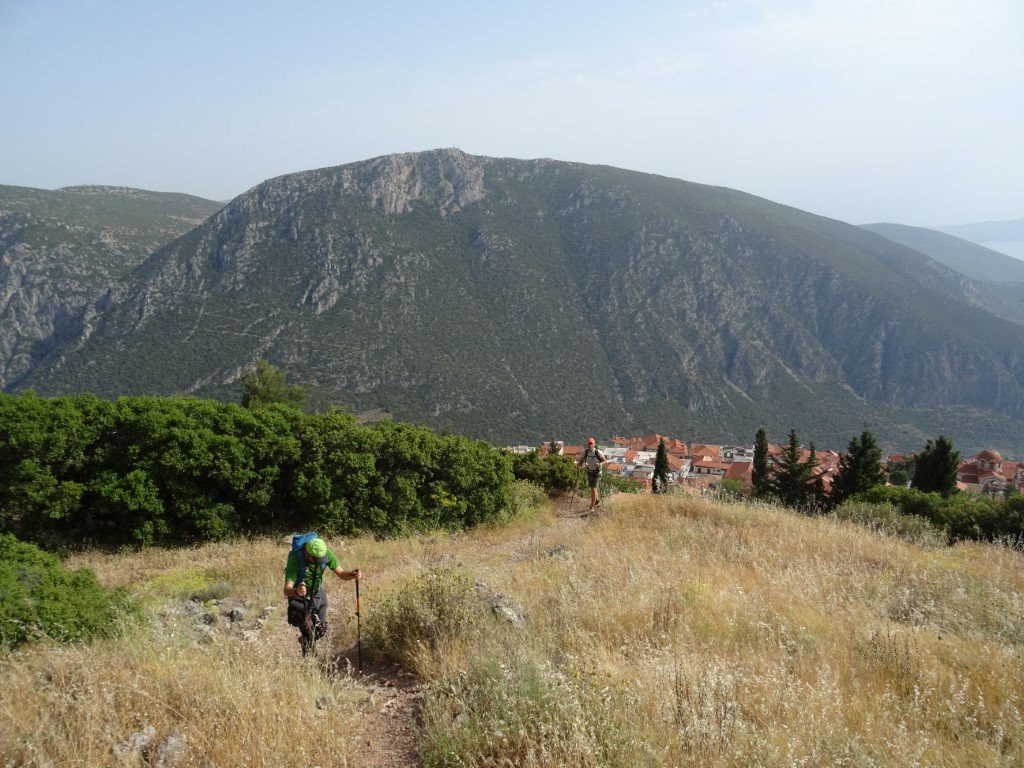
(677, 631)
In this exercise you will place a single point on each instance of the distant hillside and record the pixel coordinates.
(967, 257)
(516, 300)
(997, 280)
(61, 250)
(987, 231)
(1003, 236)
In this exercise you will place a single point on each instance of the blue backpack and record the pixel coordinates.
(299, 541)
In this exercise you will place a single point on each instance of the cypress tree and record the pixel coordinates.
(792, 475)
(659, 482)
(815, 492)
(935, 471)
(760, 479)
(860, 468)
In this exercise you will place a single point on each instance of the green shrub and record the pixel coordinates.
(621, 484)
(555, 474)
(39, 598)
(433, 613)
(156, 470)
(884, 518)
(961, 516)
(527, 498)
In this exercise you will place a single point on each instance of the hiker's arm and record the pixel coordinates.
(348, 575)
(290, 590)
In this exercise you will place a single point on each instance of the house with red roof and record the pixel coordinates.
(987, 472)
(742, 471)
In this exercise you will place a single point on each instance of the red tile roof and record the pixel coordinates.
(705, 450)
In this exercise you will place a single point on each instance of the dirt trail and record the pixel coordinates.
(394, 698)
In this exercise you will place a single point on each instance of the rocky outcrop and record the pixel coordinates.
(61, 251)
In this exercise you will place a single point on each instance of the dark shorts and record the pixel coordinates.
(593, 477)
(297, 611)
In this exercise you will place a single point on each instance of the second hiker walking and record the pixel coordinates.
(592, 459)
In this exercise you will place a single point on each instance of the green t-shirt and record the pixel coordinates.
(314, 571)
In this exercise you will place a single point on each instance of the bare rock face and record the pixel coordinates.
(61, 251)
(447, 178)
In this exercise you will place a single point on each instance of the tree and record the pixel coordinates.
(899, 476)
(935, 471)
(760, 478)
(730, 488)
(816, 484)
(860, 468)
(266, 386)
(659, 482)
(793, 476)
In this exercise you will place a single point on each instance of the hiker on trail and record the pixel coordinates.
(592, 459)
(303, 576)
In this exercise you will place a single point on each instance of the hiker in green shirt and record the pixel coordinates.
(303, 579)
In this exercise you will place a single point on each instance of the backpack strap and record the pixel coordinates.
(322, 562)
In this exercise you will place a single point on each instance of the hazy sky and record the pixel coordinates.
(865, 110)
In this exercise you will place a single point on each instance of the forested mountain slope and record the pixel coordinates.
(996, 281)
(514, 300)
(60, 250)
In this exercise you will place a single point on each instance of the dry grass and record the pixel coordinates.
(731, 636)
(665, 632)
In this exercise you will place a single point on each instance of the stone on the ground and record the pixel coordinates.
(172, 751)
(132, 747)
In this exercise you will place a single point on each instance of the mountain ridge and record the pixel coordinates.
(60, 250)
(513, 299)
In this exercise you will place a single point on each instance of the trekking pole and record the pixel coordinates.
(307, 610)
(359, 631)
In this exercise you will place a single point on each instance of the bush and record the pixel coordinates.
(39, 598)
(158, 470)
(434, 615)
(526, 498)
(961, 516)
(555, 474)
(884, 518)
(621, 484)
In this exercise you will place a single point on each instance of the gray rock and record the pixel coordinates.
(172, 751)
(207, 635)
(507, 609)
(132, 748)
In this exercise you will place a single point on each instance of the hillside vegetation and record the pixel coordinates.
(515, 299)
(996, 280)
(667, 631)
(144, 470)
(62, 251)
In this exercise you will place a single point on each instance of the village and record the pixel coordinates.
(702, 467)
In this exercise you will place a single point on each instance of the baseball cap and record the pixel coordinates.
(316, 548)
